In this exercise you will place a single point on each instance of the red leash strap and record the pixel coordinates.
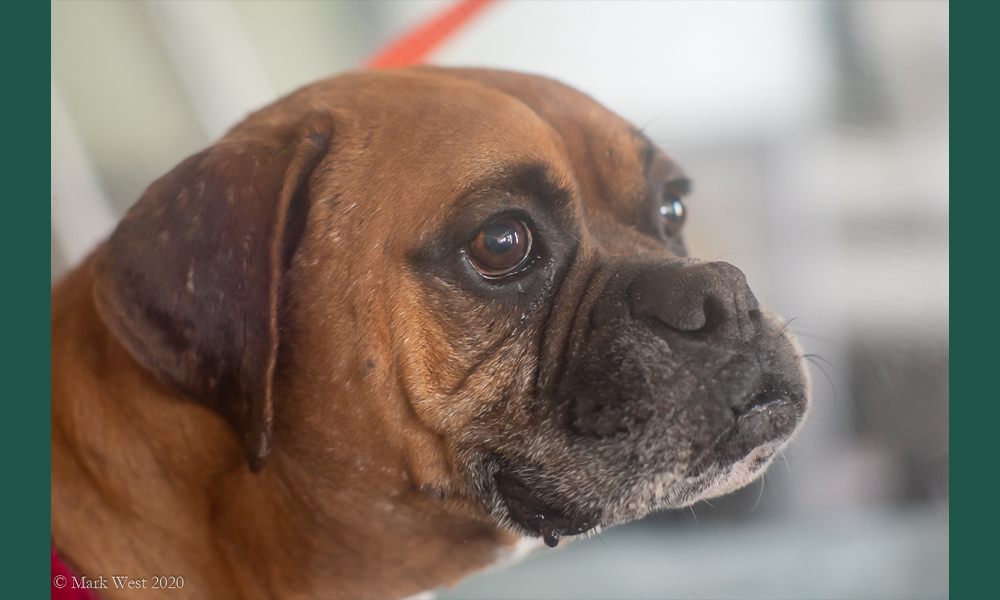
(414, 47)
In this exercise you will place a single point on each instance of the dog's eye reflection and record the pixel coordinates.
(673, 212)
(500, 249)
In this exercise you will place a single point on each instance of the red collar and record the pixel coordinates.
(67, 585)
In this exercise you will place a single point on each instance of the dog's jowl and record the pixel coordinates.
(389, 326)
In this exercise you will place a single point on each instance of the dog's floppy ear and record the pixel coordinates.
(190, 279)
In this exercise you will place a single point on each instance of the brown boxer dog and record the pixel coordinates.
(387, 327)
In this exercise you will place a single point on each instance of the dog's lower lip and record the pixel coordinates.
(529, 511)
(765, 422)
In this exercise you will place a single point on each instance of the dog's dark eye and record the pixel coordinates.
(673, 212)
(500, 249)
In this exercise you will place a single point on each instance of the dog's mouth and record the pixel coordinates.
(759, 428)
(769, 418)
(529, 510)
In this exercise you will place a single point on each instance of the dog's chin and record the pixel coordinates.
(526, 509)
(549, 505)
(720, 479)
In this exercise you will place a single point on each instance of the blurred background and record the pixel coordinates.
(816, 134)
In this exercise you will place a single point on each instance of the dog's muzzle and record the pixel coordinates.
(676, 385)
(711, 303)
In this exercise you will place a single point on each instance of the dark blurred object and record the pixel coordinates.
(899, 388)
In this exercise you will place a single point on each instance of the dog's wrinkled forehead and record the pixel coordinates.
(424, 138)
(613, 161)
(427, 135)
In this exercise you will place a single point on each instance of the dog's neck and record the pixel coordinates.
(132, 460)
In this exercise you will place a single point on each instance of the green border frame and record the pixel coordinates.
(26, 355)
(973, 237)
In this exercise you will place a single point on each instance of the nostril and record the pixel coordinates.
(755, 314)
(715, 315)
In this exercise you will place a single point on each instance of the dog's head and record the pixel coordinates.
(472, 282)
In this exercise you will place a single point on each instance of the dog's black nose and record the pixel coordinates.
(711, 298)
